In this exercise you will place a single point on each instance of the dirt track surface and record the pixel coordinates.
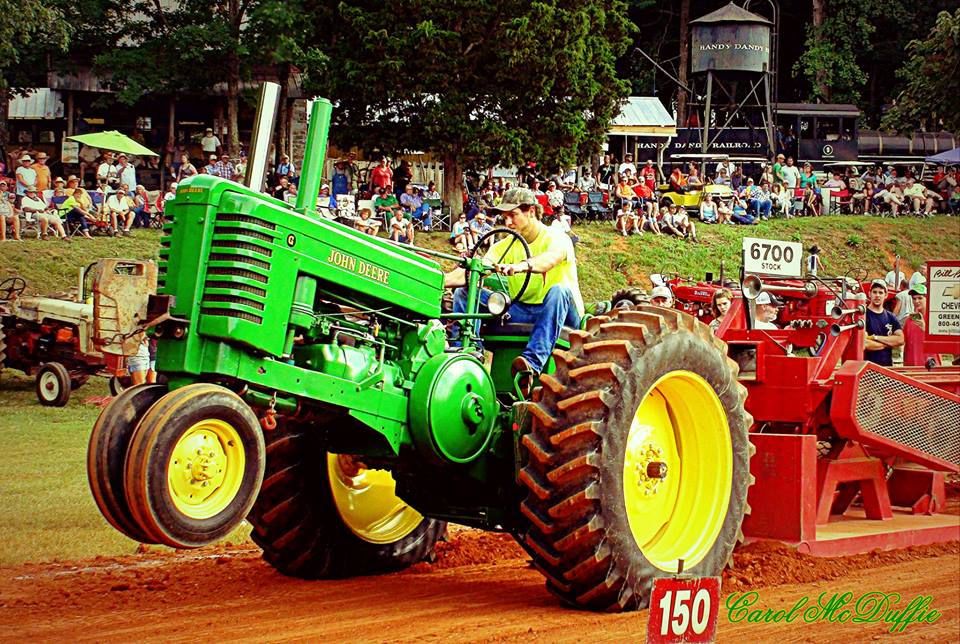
(480, 589)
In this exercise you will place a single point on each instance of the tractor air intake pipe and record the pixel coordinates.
(311, 173)
(753, 286)
(836, 329)
(836, 312)
(259, 156)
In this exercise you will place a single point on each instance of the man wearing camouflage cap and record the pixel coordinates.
(552, 299)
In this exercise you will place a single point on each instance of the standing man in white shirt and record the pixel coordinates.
(791, 175)
(627, 165)
(210, 143)
(106, 169)
(26, 177)
(125, 171)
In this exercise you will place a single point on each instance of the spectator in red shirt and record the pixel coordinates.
(649, 175)
(914, 331)
(382, 176)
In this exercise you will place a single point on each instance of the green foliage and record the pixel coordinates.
(482, 83)
(854, 241)
(829, 61)
(28, 28)
(932, 76)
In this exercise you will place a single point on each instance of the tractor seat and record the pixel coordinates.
(494, 330)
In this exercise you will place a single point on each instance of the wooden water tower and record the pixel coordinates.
(730, 61)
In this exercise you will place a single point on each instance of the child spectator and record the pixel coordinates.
(627, 220)
(367, 224)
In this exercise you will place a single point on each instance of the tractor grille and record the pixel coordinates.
(904, 413)
(249, 249)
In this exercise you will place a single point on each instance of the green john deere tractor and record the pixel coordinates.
(314, 391)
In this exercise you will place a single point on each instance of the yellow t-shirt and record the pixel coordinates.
(564, 273)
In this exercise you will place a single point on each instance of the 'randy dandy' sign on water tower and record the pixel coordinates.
(730, 40)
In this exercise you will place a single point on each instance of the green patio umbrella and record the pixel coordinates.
(115, 142)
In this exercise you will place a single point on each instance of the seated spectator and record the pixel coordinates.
(625, 193)
(386, 204)
(709, 210)
(667, 220)
(170, 194)
(891, 196)
(118, 207)
(758, 199)
(32, 204)
(399, 228)
(417, 208)
(554, 197)
(646, 200)
(681, 221)
(835, 183)
(587, 183)
(719, 305)
(738, 211)
(562, 221)
(211, 167)
(863, 199)
(723, 179)
(8, 215)
(77, 215)
(280, 190)
(431, 192)
(921, 200)
(627, 220)
(779, 202)
(290, 194)
(325, 201)
(480, 226)
(953, 201)
(649, 222)
(367, 223)
(141, 207)
(694, 182)
(678, 180)
(461, 235)
(185, 169)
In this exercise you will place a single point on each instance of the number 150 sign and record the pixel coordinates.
(684, 610)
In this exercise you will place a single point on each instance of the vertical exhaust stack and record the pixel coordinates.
(311, 172)
(259, 157)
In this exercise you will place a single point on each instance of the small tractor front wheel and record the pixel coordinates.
(194, 466)
(321, 515)
(637, 465)
(118, 384)
(107, 453)
(53, 385)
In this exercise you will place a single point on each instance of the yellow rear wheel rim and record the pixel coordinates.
(367, 501)
(206, 469)
(677, 471)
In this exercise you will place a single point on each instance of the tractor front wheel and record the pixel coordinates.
(53, 385)
(637, 465)
(107, 453)
(194, 466)
(322, 515)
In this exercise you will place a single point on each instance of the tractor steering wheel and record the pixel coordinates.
(500, 278)
(13, 287)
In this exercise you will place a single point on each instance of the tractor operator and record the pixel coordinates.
(552, 299)
(883, 329)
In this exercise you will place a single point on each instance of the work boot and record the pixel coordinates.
(520, 367)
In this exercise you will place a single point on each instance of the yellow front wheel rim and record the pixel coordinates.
(677, 471)
(206, 469)
(367, 501)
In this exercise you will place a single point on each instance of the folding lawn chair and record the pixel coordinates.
(571, 204)
(596, 207)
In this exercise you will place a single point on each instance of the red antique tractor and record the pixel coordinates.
(850, 456)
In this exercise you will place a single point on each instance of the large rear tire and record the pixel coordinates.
(107, 453)
(322, 516)
(194, 466)
(637, 465)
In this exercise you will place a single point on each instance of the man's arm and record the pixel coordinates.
(885, 341)
(539, 264)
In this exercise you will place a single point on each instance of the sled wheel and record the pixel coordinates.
(629, 297)
(322, 515)
(194, 466)
(107, 452)
(53, 385)
(637, 465)
(117, 385)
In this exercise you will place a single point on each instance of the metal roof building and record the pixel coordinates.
(643, 116)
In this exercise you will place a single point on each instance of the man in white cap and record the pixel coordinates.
(552, 299)
(126, 172)
(767, 307)
(662, 296)
(26, 176)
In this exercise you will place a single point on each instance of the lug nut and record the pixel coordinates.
(657, 470)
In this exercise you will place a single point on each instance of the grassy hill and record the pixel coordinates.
(607, 261)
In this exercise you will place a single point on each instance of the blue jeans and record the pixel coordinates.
(761, 207)
(548, 318)
(741, 217)
(424, 213)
